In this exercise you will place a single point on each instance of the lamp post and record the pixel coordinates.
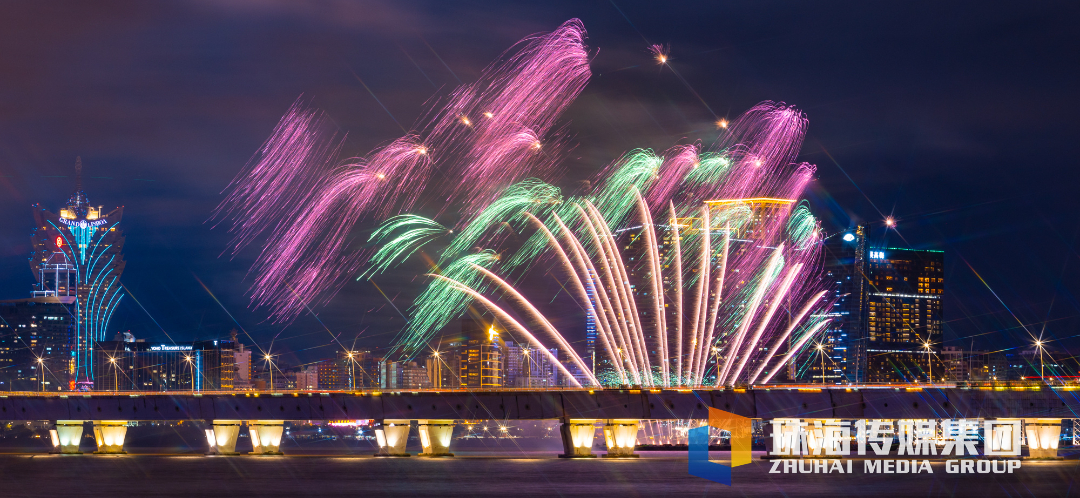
(437, 376)
(115, 380)
(1039, 346)
(41, 372)
(352, 372)
(191, 366)
(716, 356)
(821, 350)
(270, 359)
(929, 360)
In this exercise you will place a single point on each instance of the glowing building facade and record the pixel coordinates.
(885, 321)
(481, 356)
(846, 268)
(78, 258)
(144, 366)
(904, 315)
(35, 334)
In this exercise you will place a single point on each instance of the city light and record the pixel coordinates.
(1039, 346)
(890, 222)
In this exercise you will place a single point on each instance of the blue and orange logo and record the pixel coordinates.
(741, 438)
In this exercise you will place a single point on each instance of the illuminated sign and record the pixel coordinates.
(82, 223)
(165, 347)
(59, 242)
(877, 254)
(848, 237)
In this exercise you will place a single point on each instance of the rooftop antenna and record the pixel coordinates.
(78, 173)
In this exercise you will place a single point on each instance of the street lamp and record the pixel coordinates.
(1039, 346)
(821, 349)
(192, 367)
(528, 367)
(437, 376)
(270, 360)
(41, 372)
(929, 359)
(352, 371)
(716, 355)
(116, 382)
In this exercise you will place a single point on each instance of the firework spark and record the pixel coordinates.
(487, 134)
(709, 278)
(731, 249)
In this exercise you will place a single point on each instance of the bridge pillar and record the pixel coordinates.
(109, 435)
(435, 437)
(1043, 435)
(222, 437)
(392, 434)
(621, 438)
(68, 435)
(577, 438)
(265, 436)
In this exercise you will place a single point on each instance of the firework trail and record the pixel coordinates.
(733, 251)
(487, 135)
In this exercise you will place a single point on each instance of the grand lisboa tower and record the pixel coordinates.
(78, 258)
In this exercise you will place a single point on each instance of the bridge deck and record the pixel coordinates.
(510, 404)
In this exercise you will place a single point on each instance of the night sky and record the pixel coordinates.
(960, 120)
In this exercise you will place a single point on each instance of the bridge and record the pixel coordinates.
(619, 410)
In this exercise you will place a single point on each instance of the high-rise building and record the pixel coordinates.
(444, 366)
(359, 369)
(481, 355)
(590, 325)
(144, 366)
(35, 335)
(885, 321)
(846, 272)
(904, 314)
(974, 366)
(749, 225)
(242, 359)
(333, 374)
(390, 374)
(529, 367)
(307, 379)
(414, 376)
(78, 257)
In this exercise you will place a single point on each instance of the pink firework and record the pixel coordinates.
(487, 135)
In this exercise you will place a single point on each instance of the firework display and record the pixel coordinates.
(486, 135)
(696, 255)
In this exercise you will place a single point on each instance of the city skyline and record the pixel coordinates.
(167, 268)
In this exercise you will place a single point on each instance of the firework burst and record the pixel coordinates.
(690, 257)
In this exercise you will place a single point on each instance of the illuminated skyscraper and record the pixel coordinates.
(904, 314)
(846, 269)
(481, 355)
(886, 316)
(78, 258)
